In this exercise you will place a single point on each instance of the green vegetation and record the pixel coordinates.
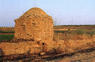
(6, 37)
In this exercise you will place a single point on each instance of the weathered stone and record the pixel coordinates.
(33, 34)
(34, 24)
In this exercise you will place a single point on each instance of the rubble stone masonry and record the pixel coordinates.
(35, 24)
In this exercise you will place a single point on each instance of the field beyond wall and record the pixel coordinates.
(61, 32)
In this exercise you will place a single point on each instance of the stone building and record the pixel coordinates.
(35, 25)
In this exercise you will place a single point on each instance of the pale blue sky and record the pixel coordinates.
(64, 12)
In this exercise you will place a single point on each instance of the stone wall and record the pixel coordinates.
(35, 24)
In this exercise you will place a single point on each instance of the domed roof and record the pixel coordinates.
(35, 11)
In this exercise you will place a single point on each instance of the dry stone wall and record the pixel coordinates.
(35, 24)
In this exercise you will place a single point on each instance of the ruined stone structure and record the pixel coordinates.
(35, 27)
(35, 24)
(33, 34)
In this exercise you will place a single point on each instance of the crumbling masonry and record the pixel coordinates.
(35, 25)
(33, 34)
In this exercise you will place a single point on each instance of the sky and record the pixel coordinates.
(64, 12)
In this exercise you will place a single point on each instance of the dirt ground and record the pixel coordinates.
(78, 57)
(6, 33)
